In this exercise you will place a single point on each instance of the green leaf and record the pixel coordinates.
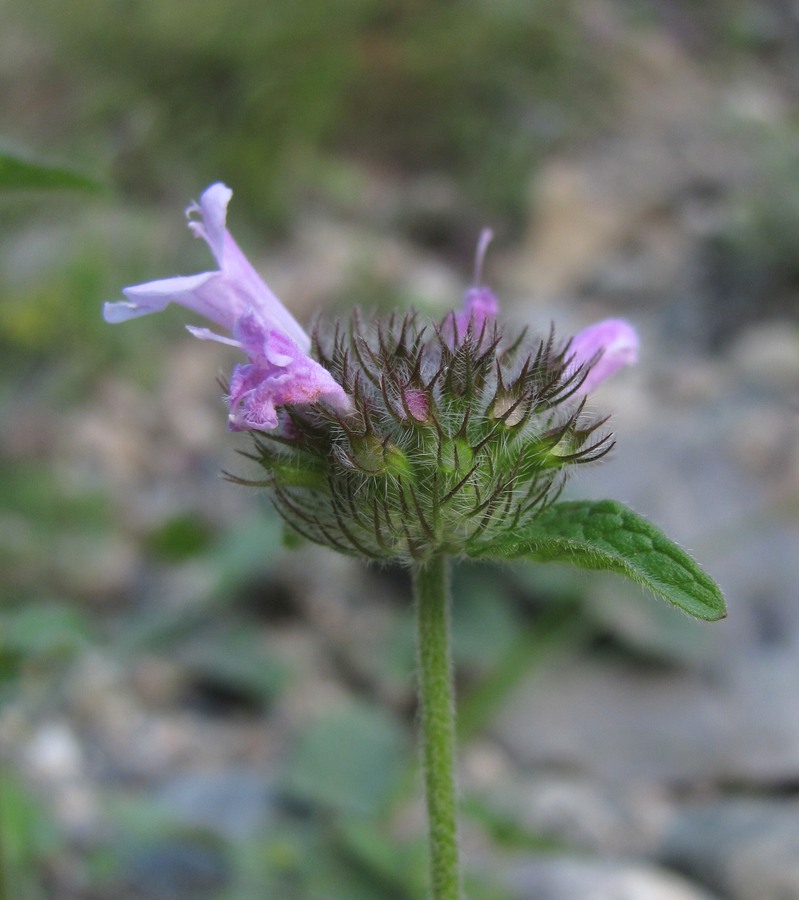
(19, 173)
(44, 629)
(401, 865)
(29, 835)
(348, 760)
(235, 658)
(606, 535)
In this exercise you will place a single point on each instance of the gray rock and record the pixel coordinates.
(616, 722)
(588, 816)
(175, 870)
(233, 804)
(746, 849)
(619, 721)
(572, 878)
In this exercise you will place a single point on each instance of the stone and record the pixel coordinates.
(584, 814)
(746, 849)
(236, 804)
(575, 878)
(621, 722)
(175, 869)
(767, 354)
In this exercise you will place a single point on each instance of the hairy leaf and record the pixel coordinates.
(606, 535)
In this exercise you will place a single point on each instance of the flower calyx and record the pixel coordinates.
(453, 438)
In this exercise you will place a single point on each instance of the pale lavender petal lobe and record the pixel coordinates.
(613, 343)
(205, 334)
(212, 211)
(155, 296)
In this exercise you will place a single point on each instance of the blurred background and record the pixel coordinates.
(188, 708)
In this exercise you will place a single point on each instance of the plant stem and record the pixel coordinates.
(437, 714)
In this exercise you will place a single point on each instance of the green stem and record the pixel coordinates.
(437, 713)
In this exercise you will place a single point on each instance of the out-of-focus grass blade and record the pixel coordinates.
(19, 173)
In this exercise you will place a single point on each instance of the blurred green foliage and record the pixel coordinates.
(349, 760)
(29, 840)
(20, 173)
(166, 95)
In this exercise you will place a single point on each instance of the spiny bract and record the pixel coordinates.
(455, 439)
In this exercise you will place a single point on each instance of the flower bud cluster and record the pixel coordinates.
(457, 435)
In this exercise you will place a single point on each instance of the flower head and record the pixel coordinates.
(279, 372)
(396, 439)
(457, 436)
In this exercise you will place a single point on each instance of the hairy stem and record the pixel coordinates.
(437, 715)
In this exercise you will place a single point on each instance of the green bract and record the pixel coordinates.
(459, 437)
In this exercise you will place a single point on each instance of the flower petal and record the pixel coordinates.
(278, 374)
(480, 308)
(222, 296)
(480, 305)
(244, 286)
(612, 343)
(155, 296)
(212, 210)
(205, 334)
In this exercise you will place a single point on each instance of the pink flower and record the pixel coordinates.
(611, 344)
(279, 372)
(480, 306)
(607, 346)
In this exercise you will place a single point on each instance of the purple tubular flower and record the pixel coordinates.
(608, 345)
(611, 344)
(279, 372)
(480, 305)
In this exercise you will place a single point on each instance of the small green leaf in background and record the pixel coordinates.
(349, 760)
(482, 633)
(30, 838)
(17, 172)
(606, 535)
(401, 865)
(235, 658)
(44, 629)
(181, 537)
